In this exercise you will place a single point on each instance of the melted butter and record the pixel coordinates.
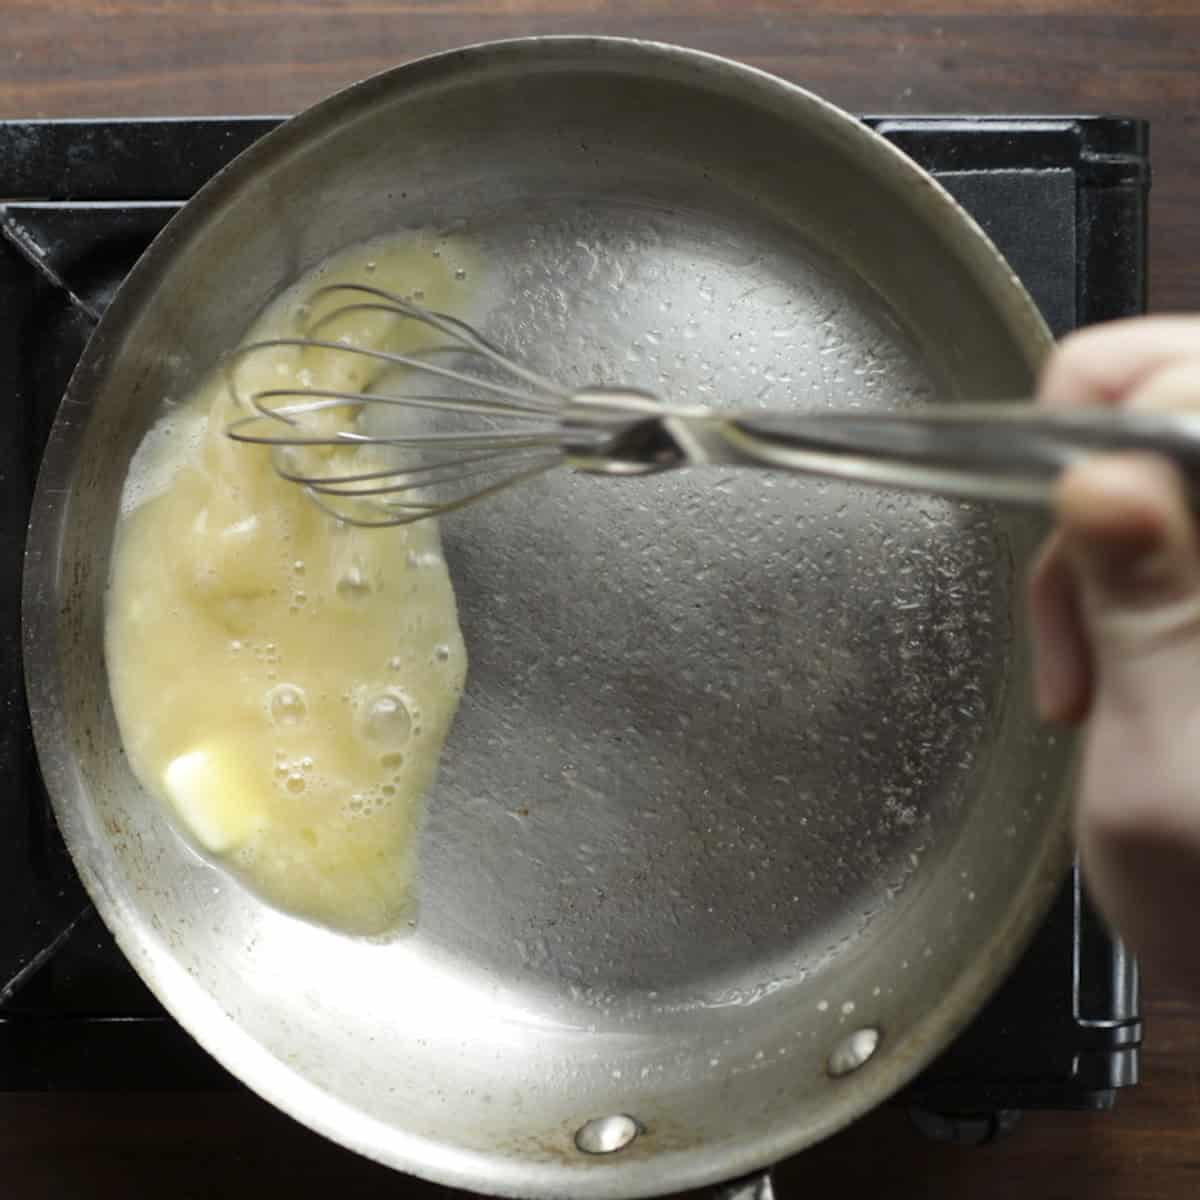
(284, 683)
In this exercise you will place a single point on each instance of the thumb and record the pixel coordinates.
(1129, 535)
(1128, 531)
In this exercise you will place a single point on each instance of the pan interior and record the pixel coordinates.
(715, 720)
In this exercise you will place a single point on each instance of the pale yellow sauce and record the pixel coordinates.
(283, 683)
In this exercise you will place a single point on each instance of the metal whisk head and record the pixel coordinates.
(366, 455)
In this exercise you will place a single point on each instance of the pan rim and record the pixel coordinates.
(199, 1011)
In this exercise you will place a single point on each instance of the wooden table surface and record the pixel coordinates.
(154, 57)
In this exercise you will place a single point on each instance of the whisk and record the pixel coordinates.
(509, 424)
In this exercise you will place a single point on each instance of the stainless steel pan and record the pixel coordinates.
(746, 809)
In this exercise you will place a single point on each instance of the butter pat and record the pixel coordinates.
(213, 798)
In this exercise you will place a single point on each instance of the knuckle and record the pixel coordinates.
(1148, 823)
(1173, 386)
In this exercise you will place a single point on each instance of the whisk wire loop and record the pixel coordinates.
(377, 476)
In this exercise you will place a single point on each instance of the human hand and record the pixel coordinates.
(1115, 608)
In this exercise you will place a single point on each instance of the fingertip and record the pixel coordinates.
(1062, 674)
(1070, 378)
(1126, 526)
(1117, 497)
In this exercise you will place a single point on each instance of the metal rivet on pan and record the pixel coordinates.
(606, 1135)
(852, 1051)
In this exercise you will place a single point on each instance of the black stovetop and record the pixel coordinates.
(1064, 198)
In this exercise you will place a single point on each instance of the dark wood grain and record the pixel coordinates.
(204, 56)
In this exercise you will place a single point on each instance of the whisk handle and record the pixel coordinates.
(1006, 453)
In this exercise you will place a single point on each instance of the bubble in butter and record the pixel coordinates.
(284, 683)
